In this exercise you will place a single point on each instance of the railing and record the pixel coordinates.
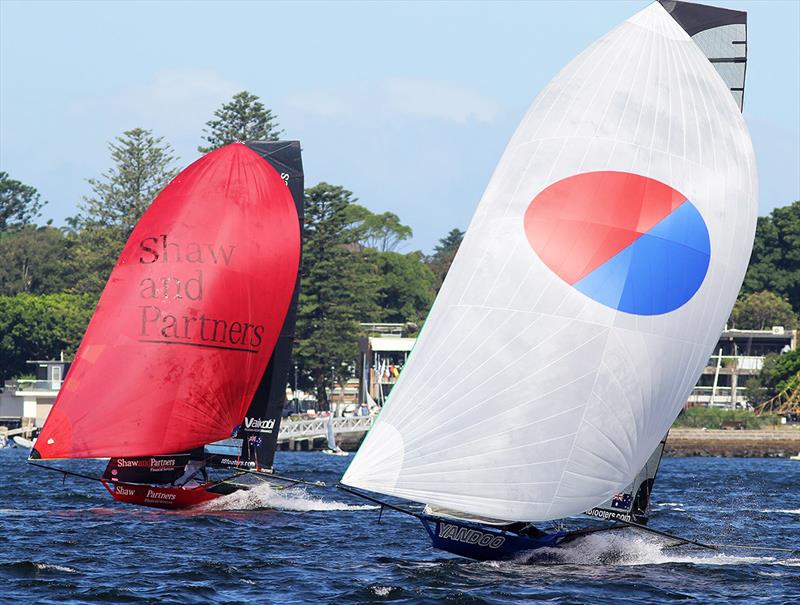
(749, 363)
(25, 384)
(318, 427)
(721, 397)
(740, 363)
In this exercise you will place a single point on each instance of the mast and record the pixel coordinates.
(261, 424)
(632, 504)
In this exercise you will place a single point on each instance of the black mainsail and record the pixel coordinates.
(259, 431)
(721, 34)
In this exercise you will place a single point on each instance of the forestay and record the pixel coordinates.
(592, 284)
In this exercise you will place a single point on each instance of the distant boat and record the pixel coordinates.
(24, 443)
(333, 449)
(180, 379)
(591, 286)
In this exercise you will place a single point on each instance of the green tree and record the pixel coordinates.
(142, 166)
(242, 119)
(761, 311)
(755, 393)
(775, 262)
(443, 255)
(406, 287)
(333, 296)
(33, 259)
(40, 327)
(780, 372)
(382, 232)
(19, 203)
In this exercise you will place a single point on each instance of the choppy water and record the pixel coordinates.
(72, 543)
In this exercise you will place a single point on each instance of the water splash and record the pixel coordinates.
(54, 567)
(784, 511)
(629, 549)
(670, 506)
(34, 567)
(381, 591)
(291, 499)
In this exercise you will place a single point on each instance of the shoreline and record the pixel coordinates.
(782, 442)
(764, 443)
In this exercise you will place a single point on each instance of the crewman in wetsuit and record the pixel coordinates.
(188, 479)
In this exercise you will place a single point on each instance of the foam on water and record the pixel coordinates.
(628, 548)
(673, 506)
(381, 591)
(291, 499)
(53, 567)
(784, 511)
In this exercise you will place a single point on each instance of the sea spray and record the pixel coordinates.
(629, 548)
(289, 499)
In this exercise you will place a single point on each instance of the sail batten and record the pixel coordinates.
(593, 281)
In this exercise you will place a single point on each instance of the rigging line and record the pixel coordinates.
(65, 472)
(382, 504)
(750, 547)
(702, 544)
(267, 476)
(664, 534)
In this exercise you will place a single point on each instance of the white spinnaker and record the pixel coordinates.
(524, 399)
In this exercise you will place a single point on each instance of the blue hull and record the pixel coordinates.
(483, 543)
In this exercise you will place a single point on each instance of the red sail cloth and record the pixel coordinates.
(188, 319)
(578, 223)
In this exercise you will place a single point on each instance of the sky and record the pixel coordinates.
(408, 105)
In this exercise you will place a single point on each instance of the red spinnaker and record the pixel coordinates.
(188, 319)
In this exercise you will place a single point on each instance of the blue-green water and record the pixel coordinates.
(72, 543)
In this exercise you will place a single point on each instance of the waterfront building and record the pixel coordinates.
(27, 401)
(739, 356)
(383, 354)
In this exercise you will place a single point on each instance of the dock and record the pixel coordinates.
(311, 433)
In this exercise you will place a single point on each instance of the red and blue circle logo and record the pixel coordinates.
(627, 241)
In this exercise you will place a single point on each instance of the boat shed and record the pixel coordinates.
(382, 360)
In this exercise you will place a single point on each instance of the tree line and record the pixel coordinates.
(352, 270)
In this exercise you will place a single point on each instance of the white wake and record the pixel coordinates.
(629, 548)
(290, 499)
(785, 511)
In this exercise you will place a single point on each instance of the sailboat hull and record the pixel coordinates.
(483, 543)
(168, 497)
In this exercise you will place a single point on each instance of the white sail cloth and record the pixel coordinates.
(524, 399)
